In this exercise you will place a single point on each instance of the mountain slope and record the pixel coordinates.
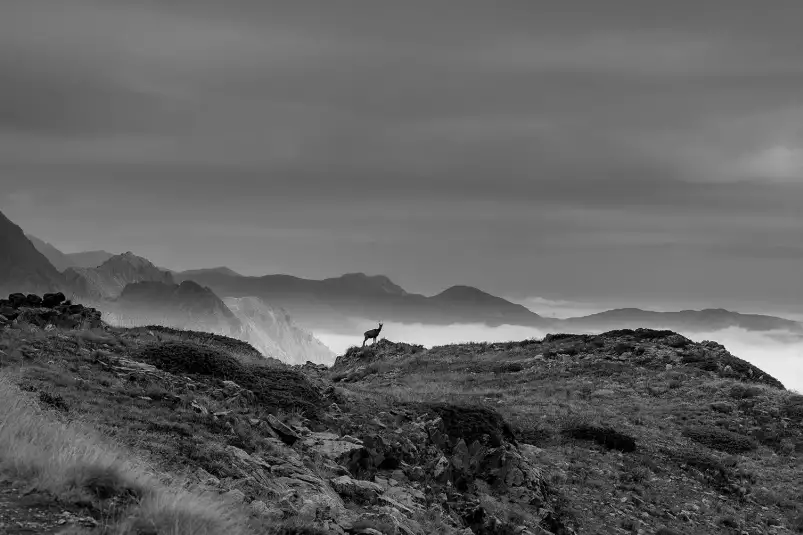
(684, 320)
(22, 267)
(108, 280)
(274, 332)
(59, 260)
(329, 304)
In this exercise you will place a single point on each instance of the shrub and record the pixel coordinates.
(472, 422)
(719, 439)
(190, 358)
(53, 400)
(741, 391)
(275, 387)
(604, 436)
(794, 408)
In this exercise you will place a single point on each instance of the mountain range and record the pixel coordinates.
(331, 304)
(344, 305)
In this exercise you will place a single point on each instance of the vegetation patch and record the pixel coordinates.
(604, 436)
(742, 391)
(53, 400)
(720, 439)
(182, 358)
(226, 343)
(472, 422)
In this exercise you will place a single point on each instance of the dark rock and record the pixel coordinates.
(360, 463)
(286, 434)
(52, 300)
(33, 300)
(16, 299)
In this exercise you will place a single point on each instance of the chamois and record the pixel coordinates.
(372, 334)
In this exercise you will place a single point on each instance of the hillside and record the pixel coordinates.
(625, 432)
(108, 279)
(22, 267)
(331, 304)
(59, 260)
(274, 332)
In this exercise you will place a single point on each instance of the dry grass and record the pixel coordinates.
(74, 465)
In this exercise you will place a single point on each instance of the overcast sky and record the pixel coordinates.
(570, 150)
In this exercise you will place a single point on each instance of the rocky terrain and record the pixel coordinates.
(626, 432)
(50, 311)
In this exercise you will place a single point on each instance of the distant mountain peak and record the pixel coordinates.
(110, 278)
(462, 289)
(373, 282)
(220, 270)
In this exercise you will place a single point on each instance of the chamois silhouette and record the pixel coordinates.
(372, 334)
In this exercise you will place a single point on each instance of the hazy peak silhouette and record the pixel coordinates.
(708, 319)
(360, 282)
(221, 270)
(22, 267)
(61, 261)
(108, 280)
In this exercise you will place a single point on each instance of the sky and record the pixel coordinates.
(634, 150)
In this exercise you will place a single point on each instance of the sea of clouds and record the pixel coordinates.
(776, 352)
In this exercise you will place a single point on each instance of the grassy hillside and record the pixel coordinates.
(154, 430)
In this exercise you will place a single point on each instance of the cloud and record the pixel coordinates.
(776, 353)
(775, 163)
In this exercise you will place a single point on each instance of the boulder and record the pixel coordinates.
(286, 434)
(357, 490)
(332, 446)
(52, 300)
(16, 300)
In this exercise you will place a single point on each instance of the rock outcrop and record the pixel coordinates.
(48, 311)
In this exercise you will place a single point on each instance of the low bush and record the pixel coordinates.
(719, 439)
(604, 436)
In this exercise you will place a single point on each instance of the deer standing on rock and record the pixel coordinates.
(372, 334)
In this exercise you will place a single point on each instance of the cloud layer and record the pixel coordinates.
(589, 150)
